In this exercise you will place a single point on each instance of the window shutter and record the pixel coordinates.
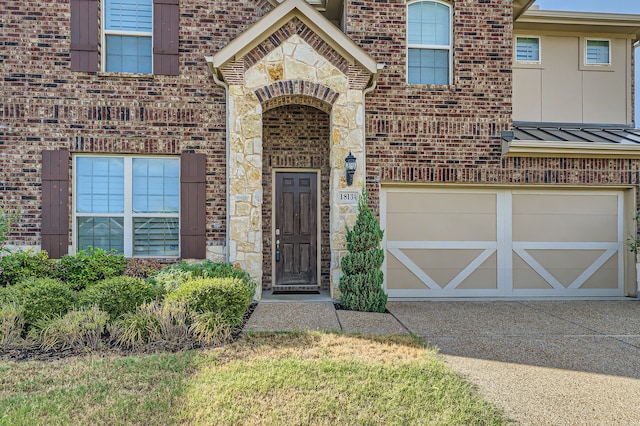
(55, 203)
(192, 206)
(84, 35)
(166, 19)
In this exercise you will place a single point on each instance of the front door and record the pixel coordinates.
(296, 230)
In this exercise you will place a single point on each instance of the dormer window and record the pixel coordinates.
(597, 52)
(429, 43)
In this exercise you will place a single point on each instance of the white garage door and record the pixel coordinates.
(503, 243)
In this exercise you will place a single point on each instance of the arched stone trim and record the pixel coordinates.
(299, 91)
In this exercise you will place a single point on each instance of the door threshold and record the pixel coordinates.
(278, 292)
(320, 296)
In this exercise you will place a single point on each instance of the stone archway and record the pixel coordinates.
(294, 62)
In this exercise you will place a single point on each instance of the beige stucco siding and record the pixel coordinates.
(561, 88)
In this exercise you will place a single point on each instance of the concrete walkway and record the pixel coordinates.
(543, 363)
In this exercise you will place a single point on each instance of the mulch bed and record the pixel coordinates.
(35, 353)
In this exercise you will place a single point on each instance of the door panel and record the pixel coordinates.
(296, 228)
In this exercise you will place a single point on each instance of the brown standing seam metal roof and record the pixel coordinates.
(559, 132)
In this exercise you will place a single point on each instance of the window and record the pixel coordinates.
(597, 52)
(127, 35)
(130, 204)
(429, 43)
(527, 49)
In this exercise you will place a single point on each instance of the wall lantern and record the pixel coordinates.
(351, 166)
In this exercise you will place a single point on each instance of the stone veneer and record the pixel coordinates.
(294, 71)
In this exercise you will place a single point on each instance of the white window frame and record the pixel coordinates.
(515, 50)
(104, 33)
(586, 46)
(128, 214)
(449, 48)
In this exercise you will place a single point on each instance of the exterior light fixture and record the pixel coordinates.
(351, 166)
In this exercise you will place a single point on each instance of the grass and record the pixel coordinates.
(261, 379)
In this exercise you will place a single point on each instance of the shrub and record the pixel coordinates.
(173, 321)
(209, 269)
(228, 296)
(11, 324)
(210, 328)
(8, 220)
(142, 268)
(170, 279)
(90, 266)
(43, 298)
(76, 329)
(135, 329)
(118, 295)
(361, 282)
(18, 265)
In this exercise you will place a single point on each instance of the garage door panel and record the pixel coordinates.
(565, 228)
(563, 203)
(606, 277)
(440, 202)
(441, 227)
(505, 243)
(526, 278)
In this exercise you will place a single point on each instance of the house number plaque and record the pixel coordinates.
(348, 197)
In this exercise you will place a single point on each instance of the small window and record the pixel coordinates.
(598, 52)
(429, 43)
(527, 49)
(130, 204)
(127, 36)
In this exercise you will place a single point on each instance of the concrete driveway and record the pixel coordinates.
(544, 363)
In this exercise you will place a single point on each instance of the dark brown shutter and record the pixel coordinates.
(55, 202)
(193, 206)
(84, 35)
(166, 17)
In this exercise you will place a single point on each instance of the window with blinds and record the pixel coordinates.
(130, 204)
(598, 52)
(128, 32)
(527, 49)
(429, 43)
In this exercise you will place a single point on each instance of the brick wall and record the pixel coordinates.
(295, 136)
(43, 105)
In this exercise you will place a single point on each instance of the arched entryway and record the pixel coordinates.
(295, 143)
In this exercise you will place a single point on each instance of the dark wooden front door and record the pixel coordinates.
(296, 232)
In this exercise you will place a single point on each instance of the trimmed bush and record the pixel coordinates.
(42, 298)
(78, 329)
(230, 297)
(90, 266)
(209, 269)
(170, 279)
(118, 295)
(11, 324)
(361, 282)
(16, 266)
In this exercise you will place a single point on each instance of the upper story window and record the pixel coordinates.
(429, 43)
(130, 204)
(597, 52)
(133, 36)
(528, 49)
(128, 35)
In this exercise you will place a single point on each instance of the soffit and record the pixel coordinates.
(282, 14)
(584, 22)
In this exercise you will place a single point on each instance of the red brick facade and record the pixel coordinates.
(413, 133)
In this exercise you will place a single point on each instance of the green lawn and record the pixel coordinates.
(261, 379)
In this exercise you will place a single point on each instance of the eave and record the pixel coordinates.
(535, 148)
(552, 20)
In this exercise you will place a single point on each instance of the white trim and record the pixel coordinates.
(448, 47)
(506, 248)
(127, 215)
